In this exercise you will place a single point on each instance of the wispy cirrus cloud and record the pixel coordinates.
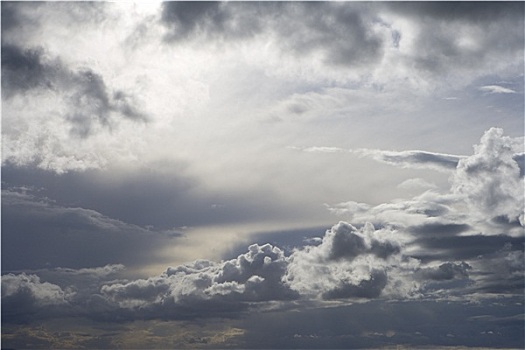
(496, 89)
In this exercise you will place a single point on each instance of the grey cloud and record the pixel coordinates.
(446, 271)
(25, 295)
(25, 69)
(375, 324)
(346, 242)
(462, 247)
(252, 277)
(165, 198)
(50, 235)
(417, 159)
(477, 12)
(339, 32)
(496, 29)
(94, 103)
(30, 15)
(437, 229)
(501, 271)
(520, 159)
(90, 101)
(490, 181)
(343, 34)
(369, 288)
(10, 17)
(349, 263)
(212, 19)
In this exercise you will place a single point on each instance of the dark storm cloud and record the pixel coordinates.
(213, 19)
(344, 32)
(38, 233)
(340, 33)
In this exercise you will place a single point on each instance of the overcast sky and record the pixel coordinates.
(271, 175)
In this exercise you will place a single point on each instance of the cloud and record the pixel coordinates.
(454, 34)
(490, 180)
(413, 323)
(66, 103)
(414, 159)
(252, 277)
(24, 295)
(85, 91)
(52, 235)
(416, 184)
(446, 271)
(350, 263)
(361, 35)
(295, 29)
(23, 70)
(496, 89)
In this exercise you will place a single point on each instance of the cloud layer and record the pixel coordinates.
(406, 258)
(147, 146)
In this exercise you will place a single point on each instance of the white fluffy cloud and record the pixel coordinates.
(490, 180)
(350, 263)
(253, 276)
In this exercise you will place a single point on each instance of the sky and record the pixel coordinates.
(262, 174)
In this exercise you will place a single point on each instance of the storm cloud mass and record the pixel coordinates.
(263, 174)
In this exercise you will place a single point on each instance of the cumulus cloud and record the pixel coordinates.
(490, 180)
(24, 295)
(349, 263)
(480, 215)
(253, 276)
